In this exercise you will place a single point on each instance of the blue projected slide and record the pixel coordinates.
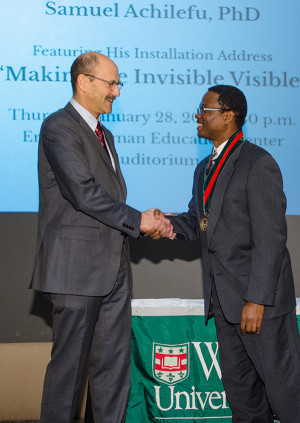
(168, 54)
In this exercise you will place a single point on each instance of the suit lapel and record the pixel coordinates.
(118, 172)
(200, 190)
(218, 195)
(93, 139)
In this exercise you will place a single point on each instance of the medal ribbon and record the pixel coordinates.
(212, 177)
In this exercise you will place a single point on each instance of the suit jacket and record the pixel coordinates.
(244, 249)
(82, 212)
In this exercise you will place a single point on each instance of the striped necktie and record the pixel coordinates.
(100, 135)
(214, 157)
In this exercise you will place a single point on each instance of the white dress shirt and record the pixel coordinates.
(92, 122)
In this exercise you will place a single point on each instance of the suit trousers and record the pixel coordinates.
(260, 372)
(93, 334)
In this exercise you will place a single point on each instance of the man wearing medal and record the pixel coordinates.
(238, 211)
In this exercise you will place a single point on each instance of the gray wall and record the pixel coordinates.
(161, 269)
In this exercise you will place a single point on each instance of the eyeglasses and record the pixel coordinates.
(203, 110)
(112, 84)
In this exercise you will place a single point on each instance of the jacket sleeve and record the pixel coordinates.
(267, 205)
(64, 151)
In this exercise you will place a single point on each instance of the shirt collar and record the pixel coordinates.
(85, 114)
(220, 148)
(92, 122)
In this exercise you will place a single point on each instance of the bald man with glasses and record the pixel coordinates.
(82, 260)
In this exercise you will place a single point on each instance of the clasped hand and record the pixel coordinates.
(155, 224)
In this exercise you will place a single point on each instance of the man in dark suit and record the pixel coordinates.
(82, 260)
(238, 210)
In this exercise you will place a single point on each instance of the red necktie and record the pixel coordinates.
(100, 135)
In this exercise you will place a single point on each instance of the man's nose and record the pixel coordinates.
(116, 91)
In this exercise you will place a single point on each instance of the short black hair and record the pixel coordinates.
(85, 63)
(231, 98)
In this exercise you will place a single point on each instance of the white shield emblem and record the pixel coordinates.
(170, 363)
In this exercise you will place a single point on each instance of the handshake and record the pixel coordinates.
(155, 224)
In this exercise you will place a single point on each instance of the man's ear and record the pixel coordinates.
(82, 81)
(228, 117)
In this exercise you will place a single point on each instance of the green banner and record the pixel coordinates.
(175, 372)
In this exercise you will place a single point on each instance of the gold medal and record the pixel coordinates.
(204, 223)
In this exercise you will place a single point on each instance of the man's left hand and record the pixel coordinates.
(252, 315)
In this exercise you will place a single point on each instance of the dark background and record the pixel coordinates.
(161, 269)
